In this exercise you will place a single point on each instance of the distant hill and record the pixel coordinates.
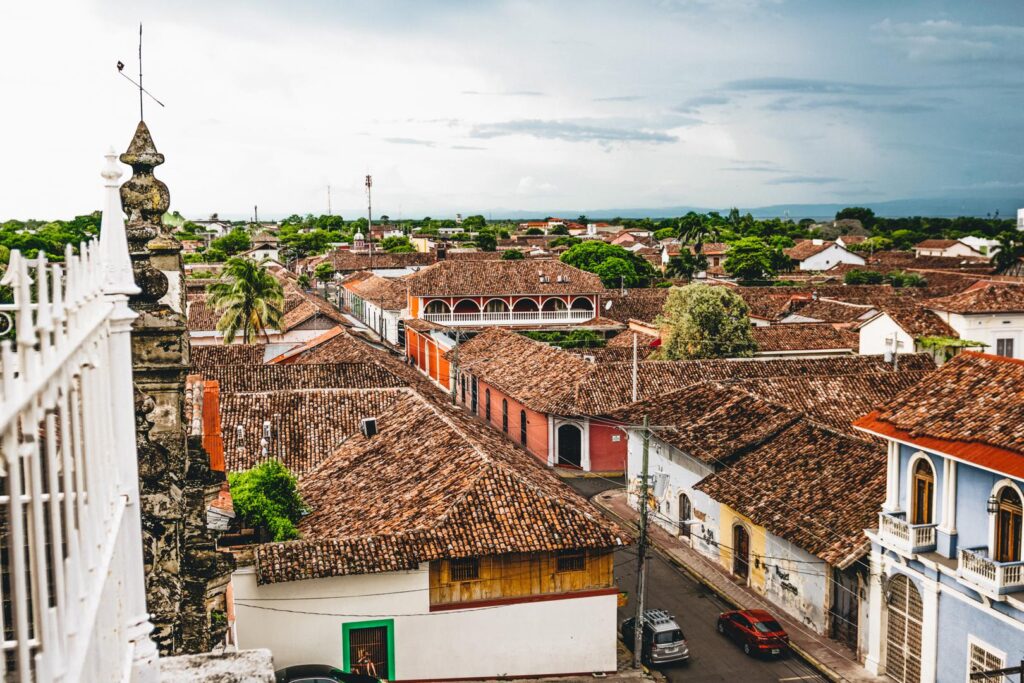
(938, 208)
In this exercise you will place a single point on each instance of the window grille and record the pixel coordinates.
(571, 561)
(464, 569)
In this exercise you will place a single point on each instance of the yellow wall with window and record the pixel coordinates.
(729, 518)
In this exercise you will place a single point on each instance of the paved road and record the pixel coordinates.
(712, 657)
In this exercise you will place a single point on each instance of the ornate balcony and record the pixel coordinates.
(990, 577)
(896, 532)
(562, 317)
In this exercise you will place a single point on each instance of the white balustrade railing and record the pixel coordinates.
(976, 567)
(510, 317)
(896, 532)
(73, 587)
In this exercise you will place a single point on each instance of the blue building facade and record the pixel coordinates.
(947, 580)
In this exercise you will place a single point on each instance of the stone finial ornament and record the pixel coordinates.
(145, 199)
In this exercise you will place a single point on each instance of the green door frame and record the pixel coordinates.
(346, 628)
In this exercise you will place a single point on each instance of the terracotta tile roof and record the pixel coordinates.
(430, 484)
(906, 259)
(832, 310)
(334, 346)
(709, 421)
(305, 307)
(972, 407)
(815, 487)
(624, 340)
(203, 356)
(345, 261)
(456, 278)
(805, 249)
(389, 294)
(473, 255)
(635, 304)
(935, 244)
(835, 400)
(853, 239)
(987, 297)
(609, 386)
(260, 378)
(531, 372)
(306, 425)
(200, 317)
(917, 321)
(803, 337)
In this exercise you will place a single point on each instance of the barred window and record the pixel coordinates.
(571, 561)
(982, 659)
(464, 569)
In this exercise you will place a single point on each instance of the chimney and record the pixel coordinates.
(368, 426)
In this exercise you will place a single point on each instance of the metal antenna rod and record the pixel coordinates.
(141, 117)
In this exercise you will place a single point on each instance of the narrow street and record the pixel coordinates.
(712, 657)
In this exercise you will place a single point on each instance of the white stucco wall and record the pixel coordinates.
(683, 473)
(827, 258)
(988, 327)
(795, 581)
(574, 635)
(874, 336)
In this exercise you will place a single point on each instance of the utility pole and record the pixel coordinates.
(634, 369)
(329, 212)
(256, 215)
(641, 569)
(369, 217)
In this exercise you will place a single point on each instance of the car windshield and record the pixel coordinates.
(666, 637)
(767, 626)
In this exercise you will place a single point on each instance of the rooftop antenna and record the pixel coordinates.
(369, 217)
(120, 70)
(329, 213)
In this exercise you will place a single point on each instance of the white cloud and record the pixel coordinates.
(529, 186)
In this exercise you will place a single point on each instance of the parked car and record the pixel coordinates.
(663, 640)
(755, 630)
(319, 673)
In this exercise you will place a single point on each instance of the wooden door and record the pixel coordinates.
(1008, 527)
(904, 613)
(685, 511)
(923, 493)
(844, 609)
(740, 552)
(368, 651)
(570, 446)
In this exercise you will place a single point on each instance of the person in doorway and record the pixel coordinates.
(365, 664)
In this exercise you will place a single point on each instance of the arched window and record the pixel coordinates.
(473, 393)
(466, 306)
(582, 304)
(522, 427)
(525, 306)
(496, 306)
(922, 493)
(487, 403)
(504, 415)
(554, 305)
(436, 308)
(462, 382)
(1008, 526)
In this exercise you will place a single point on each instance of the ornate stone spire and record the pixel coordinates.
(145, 199)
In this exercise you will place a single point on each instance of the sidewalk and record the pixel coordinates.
(829, 657)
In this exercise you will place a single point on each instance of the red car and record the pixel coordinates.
(756, 630)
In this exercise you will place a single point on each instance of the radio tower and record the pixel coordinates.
(369, 217)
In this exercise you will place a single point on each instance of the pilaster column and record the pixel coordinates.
(929, 628)
(892, 478)
(948, 524)
(876, 614)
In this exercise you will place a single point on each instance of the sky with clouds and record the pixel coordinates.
(473, 106)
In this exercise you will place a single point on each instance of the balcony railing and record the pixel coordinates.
(72, 567)
(510, 317)
(896, 532)
(989, 576)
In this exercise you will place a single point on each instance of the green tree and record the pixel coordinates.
(591, 255)
(534, 231)
(864, 215)
(397, 245)
(749, 259)
(863, 277)
(568, 241)
(324, 271)
(471, 223)
(486, 240)
(686, 264)
(559, 230)
(1011, 250)
(232, 243)
(701, 321)
(267, 499)
(512, 255)
(249, 299)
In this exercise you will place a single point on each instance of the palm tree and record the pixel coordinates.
(250, 300)
(1011, 249)
(693, 230)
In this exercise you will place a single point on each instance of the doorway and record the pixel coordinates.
(685, 511)
(740, 552)
(570, 446)
(370, 648)
(1008, 526)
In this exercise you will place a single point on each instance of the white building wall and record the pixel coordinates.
(876, 337)
(988, 328)
(796, 581)
(574, 635)
(683, 473)
(827, 258)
